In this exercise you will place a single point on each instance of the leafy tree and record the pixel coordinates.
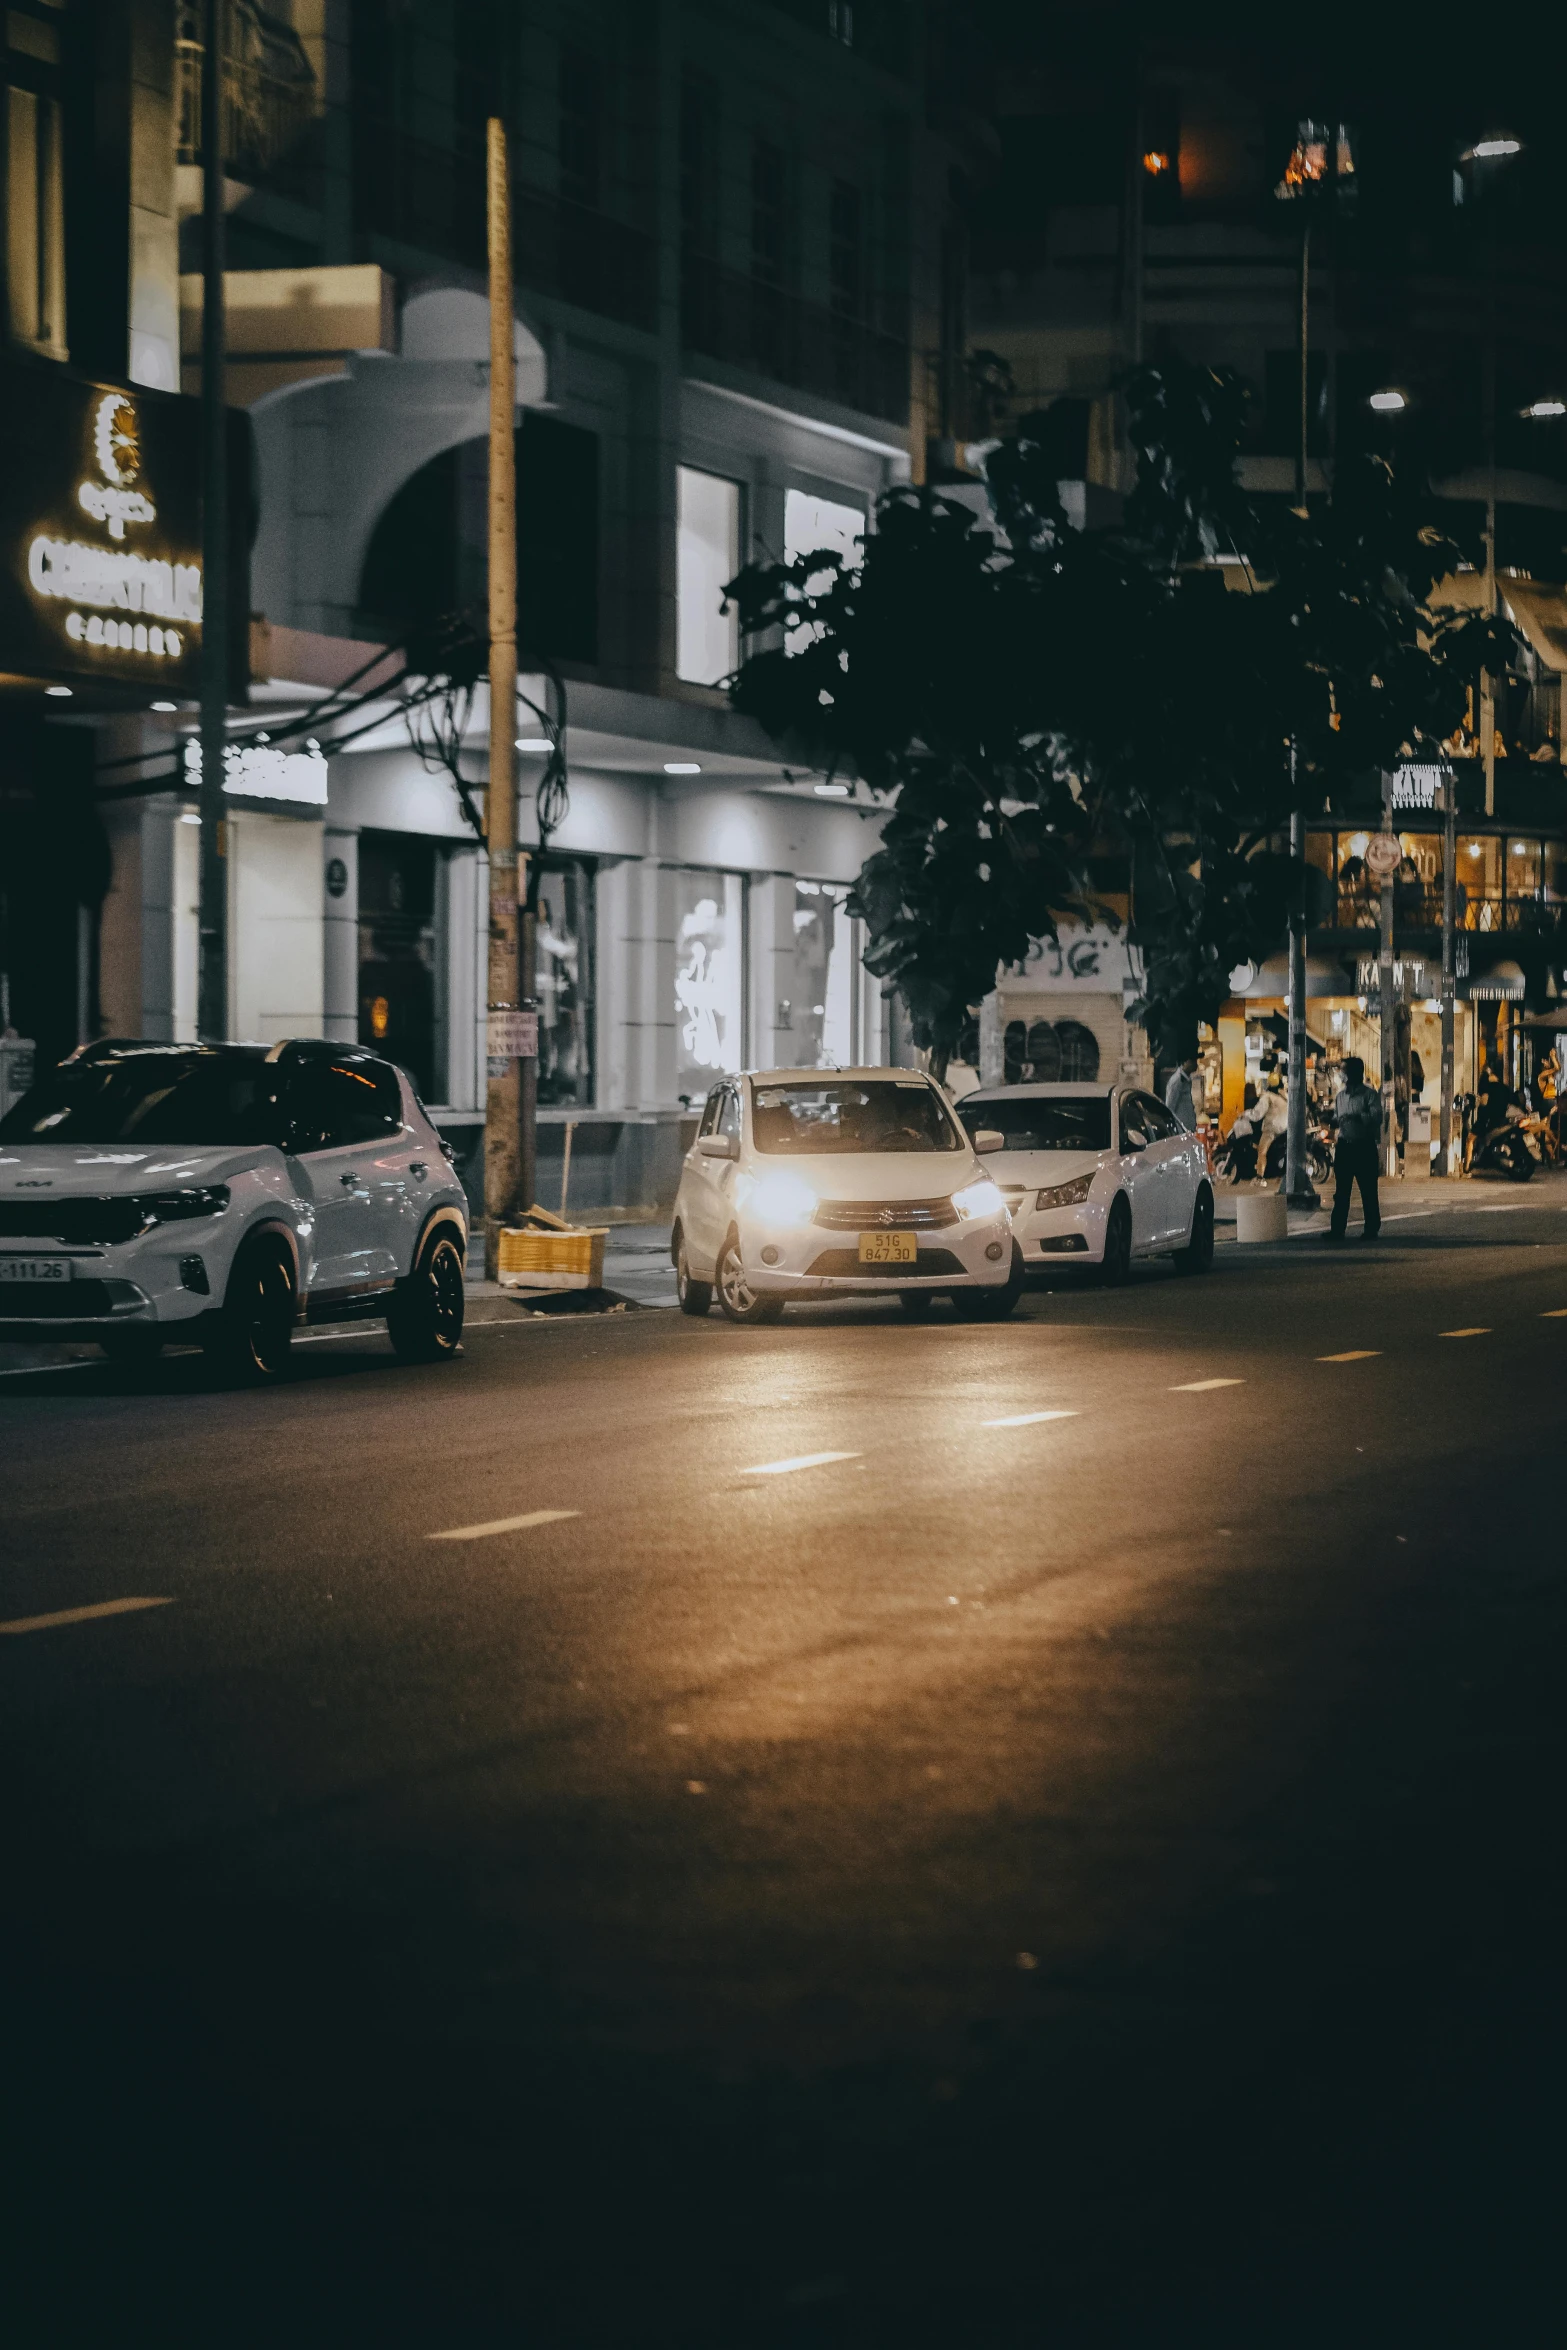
(1025, 693)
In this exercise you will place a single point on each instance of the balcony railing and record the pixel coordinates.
(269, 91)
(725, 315)
(431, 196)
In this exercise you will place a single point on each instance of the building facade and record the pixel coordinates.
(727, 245)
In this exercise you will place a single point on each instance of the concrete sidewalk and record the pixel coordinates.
(1402, 1202)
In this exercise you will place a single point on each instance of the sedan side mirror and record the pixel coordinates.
(1132, 1140)
(987, 1140)
(718, 1146)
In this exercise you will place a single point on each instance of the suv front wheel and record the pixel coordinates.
(250, 1338)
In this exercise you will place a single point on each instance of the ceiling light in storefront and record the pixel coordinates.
(833, 791)
(1474, 848)
(534, 742)
(1488, 150)
(682, 767)
(1387, 403)
(190, 817)
(61, 693)
(1545, 408)
(165, 705)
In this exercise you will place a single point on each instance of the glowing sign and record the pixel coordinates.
(98, 582)
(260, 771)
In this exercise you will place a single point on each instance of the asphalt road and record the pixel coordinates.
(875, 1862)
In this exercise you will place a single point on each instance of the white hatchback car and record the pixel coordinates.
(1097, 1175)
(811, 1183)
(219, 1194)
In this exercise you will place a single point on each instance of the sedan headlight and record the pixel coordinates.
(979, 1199)
(1067, 1195)
(781, 1198)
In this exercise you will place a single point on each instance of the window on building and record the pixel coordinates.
(709, 977)
(564, 983)
(811, 523)
(401, 962)
(821, 1024)
(35, 185)
(769, 213)
(706, 559)
(845, 257)
(581, 127)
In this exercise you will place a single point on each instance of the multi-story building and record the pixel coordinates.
(728, 227)
(1133, 213)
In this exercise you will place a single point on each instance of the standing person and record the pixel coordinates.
(1358, 1116)
(1179, 1099)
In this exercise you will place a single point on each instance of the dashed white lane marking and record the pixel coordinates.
(1480, 1330)
(803, 1460)
(1027, 1419)
(81, 1615)
(502, 1525)
(1354, 1354)
(1201, 1386)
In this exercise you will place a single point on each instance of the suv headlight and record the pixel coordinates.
(1067, 1195)
(177, 1207)
(781, 1198)
(979, 1199)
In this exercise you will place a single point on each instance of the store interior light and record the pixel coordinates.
(190, 817)
(1546, 408)
(58, 693)
(833, 791)
(1488, 150)
(682, 767)
(534, 742)
(1387, 403)
(163, 705)
(1156, 162)
(1474, 848)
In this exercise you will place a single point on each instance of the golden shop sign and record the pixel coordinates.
(101, 507)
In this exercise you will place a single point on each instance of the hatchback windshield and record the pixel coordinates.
(213, 1099)
(874, 1115)
(1061, 1122)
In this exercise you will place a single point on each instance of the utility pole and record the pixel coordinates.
(1449, 971)
(1299, 1190)
(507, 1178)
(212, 990)
(1301, 507)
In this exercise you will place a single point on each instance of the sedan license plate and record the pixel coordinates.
(889, 1248)
(35, 1268)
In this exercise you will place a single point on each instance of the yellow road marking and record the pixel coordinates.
(1480, 1330)
(503, 1525)
(1355, 1354)
(81, 1615)
(1201, 1386)
(804, 1460)
(1027, 1419)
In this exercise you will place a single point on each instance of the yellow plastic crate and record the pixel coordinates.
(573, 1259)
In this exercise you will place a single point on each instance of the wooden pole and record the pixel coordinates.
(503, 1169)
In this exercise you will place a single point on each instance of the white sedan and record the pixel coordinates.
(809, 1183)
(1097, 1175)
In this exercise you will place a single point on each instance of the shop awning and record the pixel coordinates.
(1503, 983)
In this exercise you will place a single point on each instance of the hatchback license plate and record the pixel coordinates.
(889, 1248)
(35, 1268)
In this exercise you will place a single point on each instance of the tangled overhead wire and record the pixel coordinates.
(454, 657)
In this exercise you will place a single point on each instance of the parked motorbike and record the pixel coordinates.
(1235, 1158)
(1508, 1150)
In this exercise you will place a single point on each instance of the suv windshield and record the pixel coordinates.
(1061, 1122)
(878, 1114)
(210, 1099)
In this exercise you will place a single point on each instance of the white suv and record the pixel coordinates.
(222, 1193)
(811, 1183)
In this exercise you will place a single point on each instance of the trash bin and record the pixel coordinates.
(1260, 1215)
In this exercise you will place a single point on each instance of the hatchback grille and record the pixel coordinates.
(101, 1221)
(886, 1215)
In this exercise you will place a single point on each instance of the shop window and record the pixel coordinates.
(814, 525)
(400, 955)
(709, 1002)
(564, 983)
(1524, 869)
(35, 221)
(707, 557)
(820, 1020)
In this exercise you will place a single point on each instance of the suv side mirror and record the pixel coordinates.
(987, 1140)
(1133, 1139)
(718, 1146)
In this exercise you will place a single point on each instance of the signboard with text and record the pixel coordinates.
(100, 519)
